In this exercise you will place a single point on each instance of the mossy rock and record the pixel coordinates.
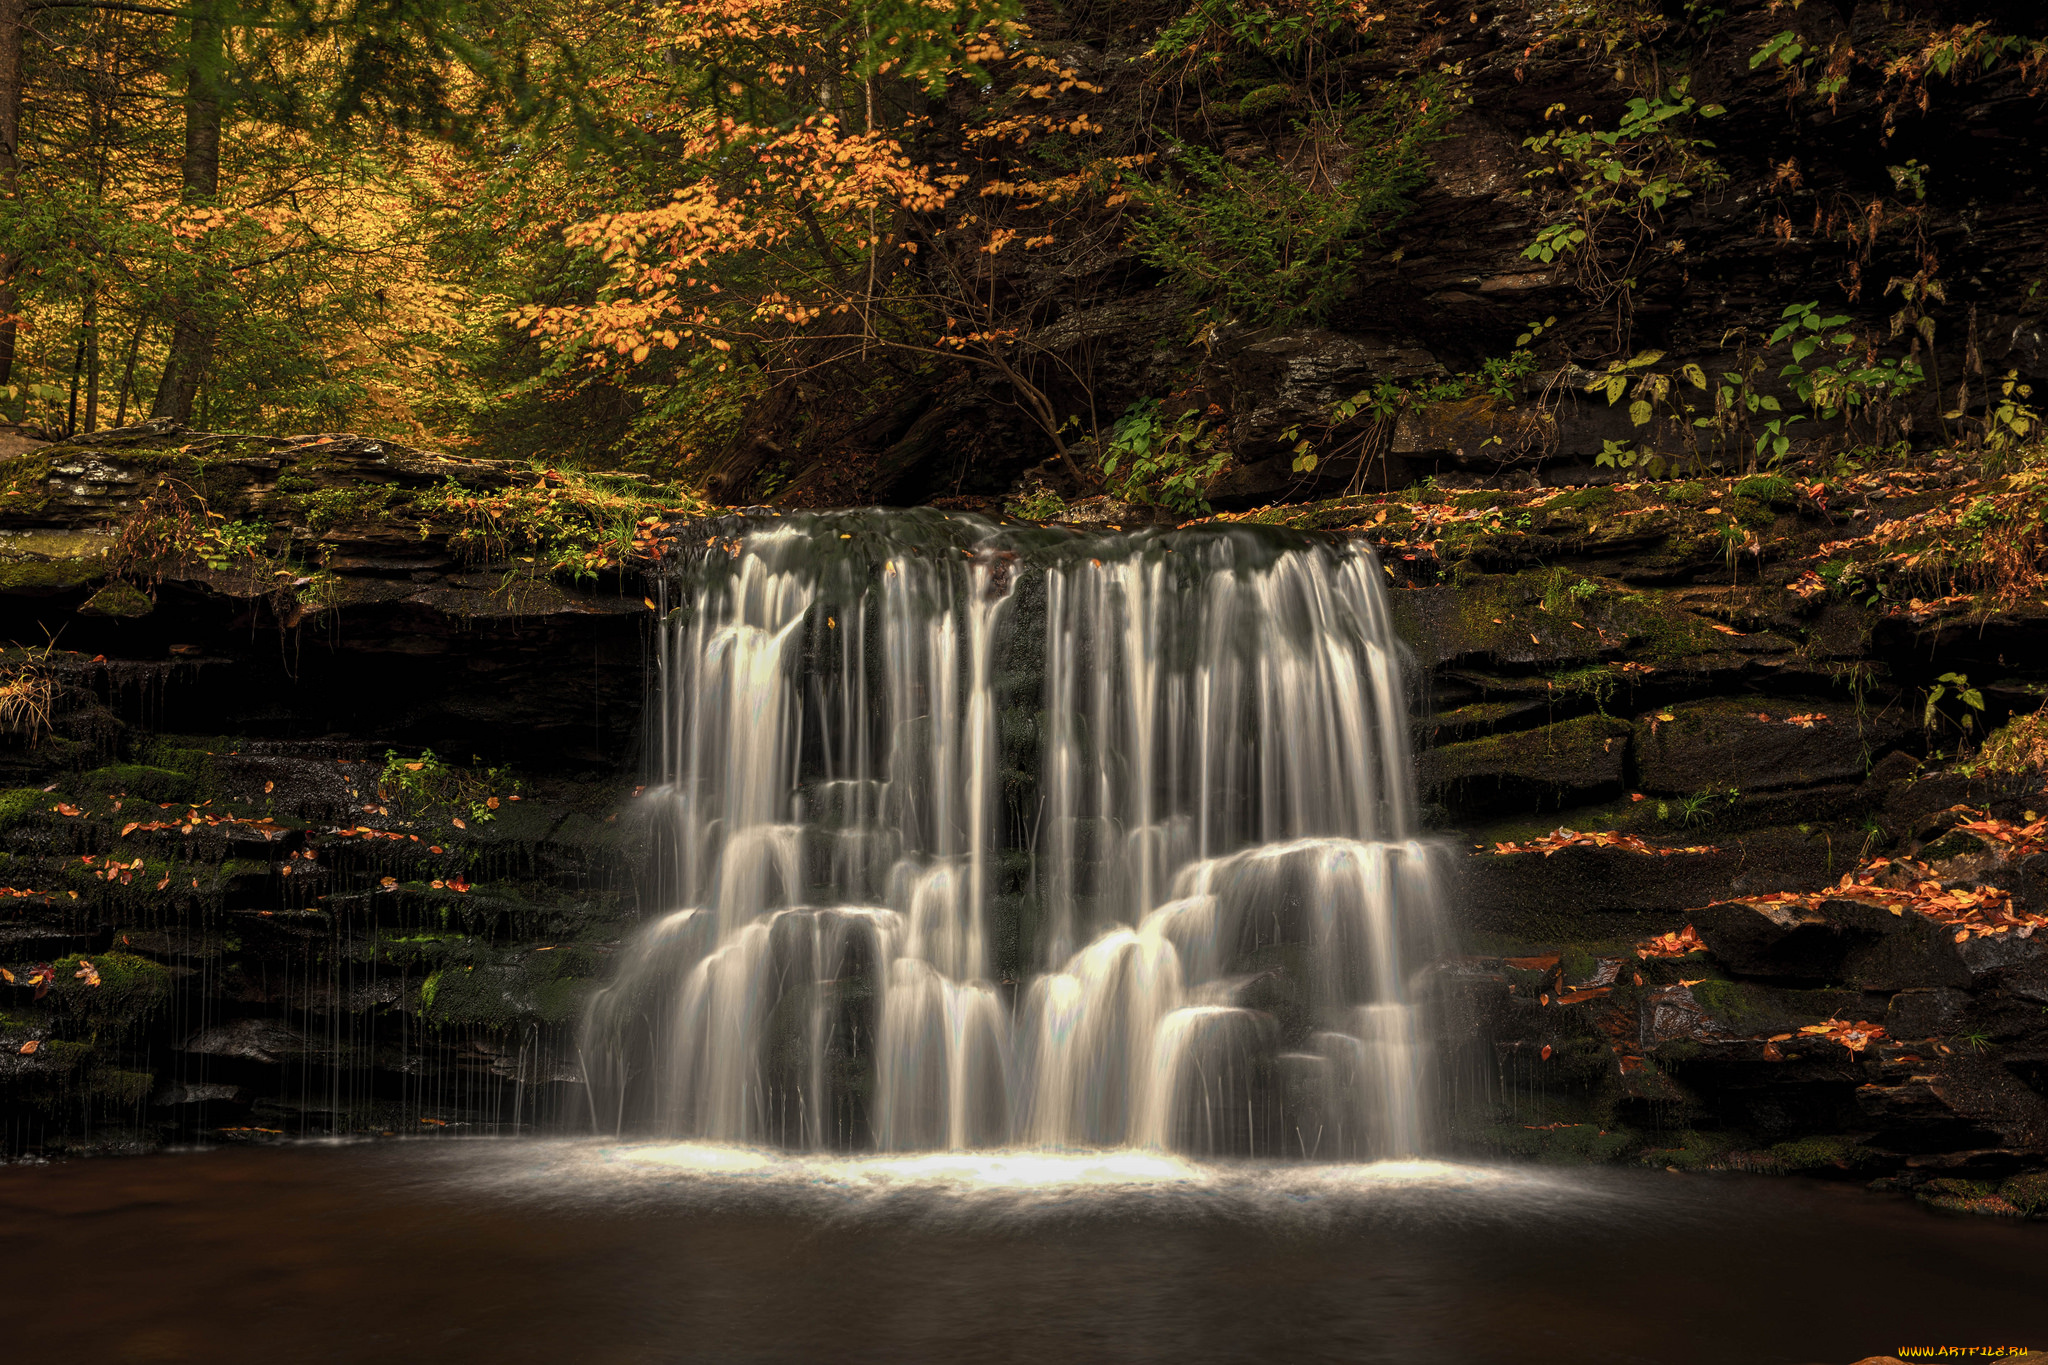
(1813, 1153)
(46, 577)
(130, 987)
(19, 804)
(2027, 1193)
(1558, 765)
(144, 781)
(1772, 490)
(1582, 500)
(119, 600)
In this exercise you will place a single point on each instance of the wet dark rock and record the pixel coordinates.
(269, 1041)
(1746, 743)
(1547, 768)
(1925, 1011)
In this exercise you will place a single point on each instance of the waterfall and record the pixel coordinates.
(981, 835)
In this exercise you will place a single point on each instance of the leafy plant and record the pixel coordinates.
(416, 783)
(1275, 239)
(1955, 685)
(1166, 463)
(1620, 178)
(1036, 503)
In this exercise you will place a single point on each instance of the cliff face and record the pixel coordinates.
(345, 851)
(301, 848)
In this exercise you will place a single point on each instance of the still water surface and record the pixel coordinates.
(514, 1251)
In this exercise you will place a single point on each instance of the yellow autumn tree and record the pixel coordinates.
(847, 183)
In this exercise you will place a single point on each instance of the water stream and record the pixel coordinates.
(977, 836)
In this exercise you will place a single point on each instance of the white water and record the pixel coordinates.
(1193, 921)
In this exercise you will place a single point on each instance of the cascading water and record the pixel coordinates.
(984, 835)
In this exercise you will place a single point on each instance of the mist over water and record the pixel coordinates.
(976, 836)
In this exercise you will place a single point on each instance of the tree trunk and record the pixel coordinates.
(192, 330)
(91, 337)
(128, 371)
(12, 12)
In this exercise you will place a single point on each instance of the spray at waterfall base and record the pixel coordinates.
(978, 835)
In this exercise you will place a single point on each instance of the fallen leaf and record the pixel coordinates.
(457, 822)
(130, 828)
(1684, 941)
(28, 1049)
(388, 882)
(269, 787)
(1546, 1052)
(87, 973)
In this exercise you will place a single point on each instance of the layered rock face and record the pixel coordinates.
(1736, 873)
(300, 850)
(300, 920)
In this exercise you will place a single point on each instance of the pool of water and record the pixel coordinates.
(511, 1251)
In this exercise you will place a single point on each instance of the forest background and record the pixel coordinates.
(832, 253)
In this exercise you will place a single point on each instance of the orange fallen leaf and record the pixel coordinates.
(130, 828)
(269, 787)
(1546, 1052)
(1686, 940)
(87, 973)
(28, 1049)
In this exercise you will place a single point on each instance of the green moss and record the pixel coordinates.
(329, 507)
(143, 780)
(48, 575)
(126, 1088)
(26, 479)
(1595, 682)
(1734, 1005)
(1264, 100)
(130, 987)
(1572, 1144)
(1582, 500)
(1690, 492)
(2027, 1193)
(119, 600)
(1954, 844)
(1770, 489)
(19, 804)
(1695, 1151)
(1812, 1153)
